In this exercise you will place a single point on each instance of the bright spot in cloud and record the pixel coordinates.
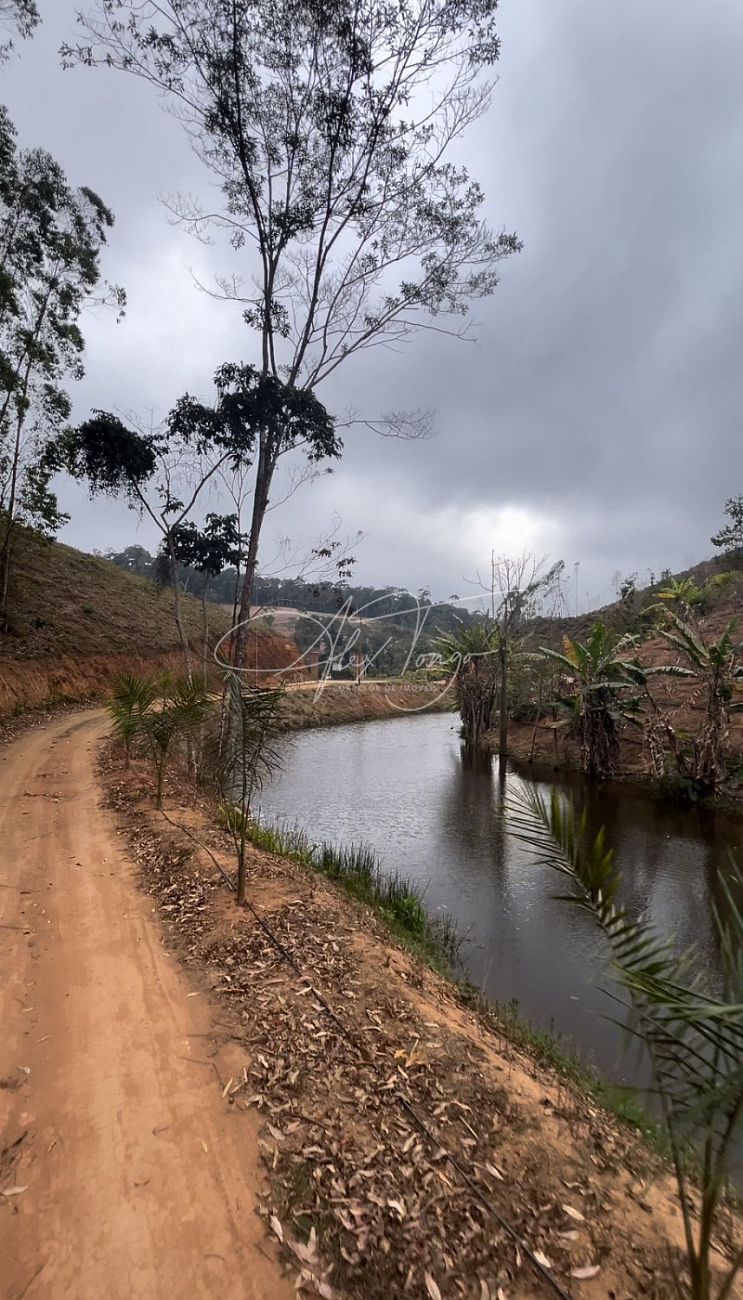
(507, 530)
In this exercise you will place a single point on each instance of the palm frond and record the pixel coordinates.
(692, 1031)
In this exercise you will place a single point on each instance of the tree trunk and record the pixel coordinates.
(160, 782)
(177, 610)
(205, 623)
(14, 475)
(537, 721)
(264, 475)
(235, 600)
(241, 862)
(503, 716)
(5, 578)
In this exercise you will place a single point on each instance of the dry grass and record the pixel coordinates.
(76, 622)
(64, 602)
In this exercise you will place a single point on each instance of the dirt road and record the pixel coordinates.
(138, 1178)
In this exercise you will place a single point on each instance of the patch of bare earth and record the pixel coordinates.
(410, 1151)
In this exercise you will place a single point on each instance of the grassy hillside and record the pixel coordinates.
(76, 622)
(63, 602)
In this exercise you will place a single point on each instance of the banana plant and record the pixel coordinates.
(692, 1030)
(718, 667)
(601, 696)
(683, 595)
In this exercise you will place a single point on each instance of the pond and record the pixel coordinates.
(403, 787)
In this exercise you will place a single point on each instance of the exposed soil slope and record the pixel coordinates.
(138, 1179)
(310, 704)
(64, 602)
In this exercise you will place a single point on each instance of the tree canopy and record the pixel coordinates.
(329, 128)
(51, 239)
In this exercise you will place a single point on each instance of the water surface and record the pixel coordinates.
(403, 787)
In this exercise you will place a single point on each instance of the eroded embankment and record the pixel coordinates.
(410, 1150)
(27, 684)
(36, 682)
(317, 704)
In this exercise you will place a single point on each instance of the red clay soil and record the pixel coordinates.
(34, 683)
(123, 1171)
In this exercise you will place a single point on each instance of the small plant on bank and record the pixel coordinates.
(132, 701)
(600, 696)
(683, 595)
(470, 656)
(241, 757)
(179, 713)
(693, 1032)
(718, 668)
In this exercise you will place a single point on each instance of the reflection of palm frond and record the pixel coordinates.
(693, 1033)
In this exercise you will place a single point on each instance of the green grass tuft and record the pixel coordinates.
(357, 870)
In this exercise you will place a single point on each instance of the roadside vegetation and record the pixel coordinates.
(177, 720)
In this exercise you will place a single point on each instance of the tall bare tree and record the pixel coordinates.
(330, 125)
(164, 472)
(517, 588)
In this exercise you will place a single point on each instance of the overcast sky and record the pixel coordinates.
(597, 418)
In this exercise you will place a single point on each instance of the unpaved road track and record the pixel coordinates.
(139, 1178)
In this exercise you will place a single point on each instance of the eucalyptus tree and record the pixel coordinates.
(331, 130)
(51, 239)
(17, 16)
(208, 550)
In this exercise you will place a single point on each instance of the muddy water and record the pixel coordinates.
(403, 787)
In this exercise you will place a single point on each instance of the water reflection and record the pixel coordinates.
(406, 788)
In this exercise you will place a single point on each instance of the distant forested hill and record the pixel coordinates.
(319, 597)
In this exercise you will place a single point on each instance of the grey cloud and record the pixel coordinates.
(603, 396)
